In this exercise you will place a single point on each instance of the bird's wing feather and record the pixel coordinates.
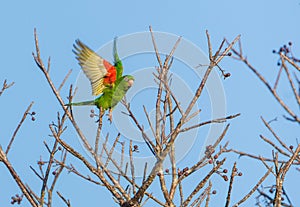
(117, 61)
(92, 65)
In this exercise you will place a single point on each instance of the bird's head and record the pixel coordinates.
(129, 79)
(124, 83)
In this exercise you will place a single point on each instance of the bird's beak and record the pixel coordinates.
(130, 82)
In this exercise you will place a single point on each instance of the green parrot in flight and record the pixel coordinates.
(106, 79)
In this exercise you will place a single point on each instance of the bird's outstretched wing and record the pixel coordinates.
(100, 72)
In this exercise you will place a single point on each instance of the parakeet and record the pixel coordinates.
(106, 79)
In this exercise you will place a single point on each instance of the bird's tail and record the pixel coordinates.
(84, 103)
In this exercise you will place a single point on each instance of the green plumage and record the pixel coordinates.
(117, 61)
(112, 96)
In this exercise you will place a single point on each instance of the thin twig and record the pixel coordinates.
(202, 182)
(122, 159)
(66, 201)
(290, 61)
(18, 127)
(155, 48)
(277, 79)
(147, 140)
(99, 128)
(282, 172)
(132, 166)
(181, 193)
(36, 173)
(17, 178)
(297, 97)
(149, 121)
(273, 145)
(6, 86)
(56, 176)
(253, 189)
(263, 80)
(72, 169)
(208, 194)
(257, 156)
(64, 80)
(233, 174)
(275, 135)
(47, 173)
(103, 146)
(164, 189)
(219, 120)
(112, 149)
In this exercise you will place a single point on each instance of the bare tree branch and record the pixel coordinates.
(6, 86)
(18, 127)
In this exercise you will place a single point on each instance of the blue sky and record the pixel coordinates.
(263, 25)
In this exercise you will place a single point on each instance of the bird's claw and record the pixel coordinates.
(110, 116)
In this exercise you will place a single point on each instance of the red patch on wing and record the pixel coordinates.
(111, 75)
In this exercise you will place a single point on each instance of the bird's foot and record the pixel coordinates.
(110, 116)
